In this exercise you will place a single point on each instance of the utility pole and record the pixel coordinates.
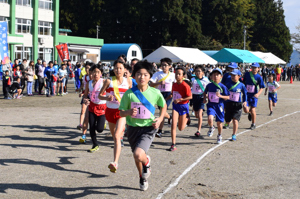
(245, 34)
(98, 30)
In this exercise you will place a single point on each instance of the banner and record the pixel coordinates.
(63, 51)
(3, 43)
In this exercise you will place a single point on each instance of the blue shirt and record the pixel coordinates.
(213, 88)
(227, 78)
(49, 72)
(240, 88)
(248, 81)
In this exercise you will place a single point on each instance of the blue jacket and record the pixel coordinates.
(49, 72)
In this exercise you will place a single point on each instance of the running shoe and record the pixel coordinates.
(82, 139)
(193, 113)
(122, 142)
(19, 97)
(210, 131)
(253, 126)
(159, 133)
(143, 184)
(58, 94)
(113, 167)
(189, 120)
(226, 126)
(233, 138)
(94, 149)
(146, 169)
(197, 134)
(104, 125)
(173, 147)
(249, 117)
(219, 139)
(7, 98)
(79, 127)
(271, 113)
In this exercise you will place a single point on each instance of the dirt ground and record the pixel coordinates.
(41, 157)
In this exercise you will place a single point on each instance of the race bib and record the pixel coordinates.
(234, 96)
(271, 89)
(142, 111)
(250, 88)
(94, 97)
(213, 97)
(176, 95)
(115, 101)
(196, 88)
(165, 87)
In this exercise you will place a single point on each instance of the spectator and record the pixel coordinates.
(49, 74)
(40, 73)
(6, 82)
(29, 71)
(36, 67)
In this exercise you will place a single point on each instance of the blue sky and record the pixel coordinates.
(291, 12)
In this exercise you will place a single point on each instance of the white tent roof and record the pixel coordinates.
(269, 58)
(179, 54)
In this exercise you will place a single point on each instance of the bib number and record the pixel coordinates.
(196, 88)
(176, 95)
(271, 89)
(115, 101)
(234, 96)
(142, 111)
(250, 88)
(165, 87)
(94, 97)
(213, 97)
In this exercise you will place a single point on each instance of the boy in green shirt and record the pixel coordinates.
(137, 105)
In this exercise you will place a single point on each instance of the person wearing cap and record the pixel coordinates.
(226, 78)
(255, 85)
(217, 93)
(235, 103)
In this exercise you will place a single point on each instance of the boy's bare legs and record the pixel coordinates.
(140, 158)
(175, 117)
(235, 126)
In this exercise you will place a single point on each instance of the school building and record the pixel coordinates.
(34, 32)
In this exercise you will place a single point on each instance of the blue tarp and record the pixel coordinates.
(210, 52)
(227, 55)
(113, 51)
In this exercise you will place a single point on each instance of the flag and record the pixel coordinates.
(3, 43)
(63, 51)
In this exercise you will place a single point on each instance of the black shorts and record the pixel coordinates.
(141, 137)
(197, 102)
(82, 98)
(233, 110)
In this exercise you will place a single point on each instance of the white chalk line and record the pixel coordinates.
(175, 183)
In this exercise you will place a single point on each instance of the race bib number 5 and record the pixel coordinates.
(142, 111)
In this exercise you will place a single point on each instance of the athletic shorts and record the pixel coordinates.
(197, 102)
(217, 111)
(140, 137)
(83, 98)
(112, 115)
(272, 97)
(166, 95)
(252, 101)
(181, 108)
(233, 111)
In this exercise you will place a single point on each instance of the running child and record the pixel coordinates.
(127, 74)
(235, 103)
(273, 87)
(181, 93)
(163, 80)
(97, 106)
(137, 105)
(255, 85)
(115, 87)
(84, 115)
(199, 83)
(217, 93)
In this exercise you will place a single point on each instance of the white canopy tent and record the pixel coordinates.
(269, 58)
(179, 54)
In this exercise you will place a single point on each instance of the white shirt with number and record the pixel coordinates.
(272, 86)
(170, 79)
(196, 89)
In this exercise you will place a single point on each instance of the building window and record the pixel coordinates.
(24, 2)
(45, 28)
(3, 1)
(23, 53)
(3, 18)
(23, 26)
(45, 4)
(133, 53)
(46, 54)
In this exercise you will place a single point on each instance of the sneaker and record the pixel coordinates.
(219, 139)
(173, 147)
(8, 98)
(122, 142)
(253, 126)
(193, 113)
(197, 134)
(210, 131)
(113, 167)
(159, 133)
(104, 125)
(19, 97)
(58, 94)
(94, 149)
(143, 184)
(249, 117)
(271, 113)
(79, 127)
(226, 126)
(146, 169)
(233, 138)
(189, 120)
(82, 139)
